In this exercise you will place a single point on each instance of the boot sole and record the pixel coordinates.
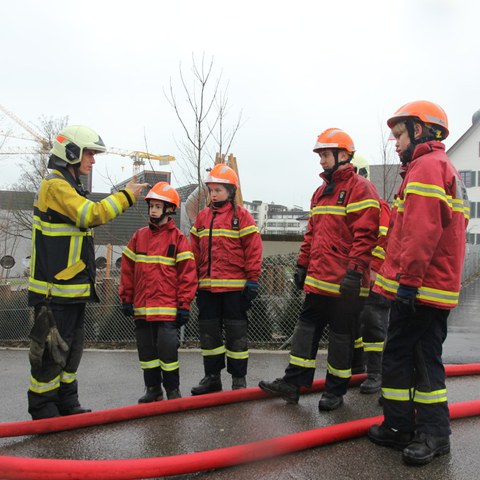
(329, 408)
(275, 393)
(369, 391)
(427, 459)
(389, 443)
(205, 393)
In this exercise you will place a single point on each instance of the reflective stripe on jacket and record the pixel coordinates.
(426, 242)
(63, 260)
(378, 253)
(158, 273)
(341, 233)
(227, 248)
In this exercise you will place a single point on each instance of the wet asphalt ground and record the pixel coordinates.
(111, 379)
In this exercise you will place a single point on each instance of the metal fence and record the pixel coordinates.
(272, 317)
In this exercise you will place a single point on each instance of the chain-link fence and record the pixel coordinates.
(272, 317)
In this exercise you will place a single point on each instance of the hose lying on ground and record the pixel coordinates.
(120, 414)
(49, 469)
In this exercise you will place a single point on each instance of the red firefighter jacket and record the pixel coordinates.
(227, 248)
(158, 272)
(378, 253)
(341, 233)
(426, 240)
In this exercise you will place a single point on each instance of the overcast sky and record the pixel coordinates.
(293, 69)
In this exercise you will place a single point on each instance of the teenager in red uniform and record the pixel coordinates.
(373, 321)
(228, 251)
(422, 274)
(333, 269)
(157, 284)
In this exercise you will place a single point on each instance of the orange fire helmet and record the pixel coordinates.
(427, 112)
(222, 173)
(164, 192)
(334, 138)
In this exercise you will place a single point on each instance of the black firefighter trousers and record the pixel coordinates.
(413, 375)
(223, 311)
(318, 311)
(157, 345)
(51, 387)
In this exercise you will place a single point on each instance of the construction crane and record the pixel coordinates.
(44, 146)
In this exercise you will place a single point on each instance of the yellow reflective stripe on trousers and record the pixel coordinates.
(437, 396)
(237, 355)
(339, 373)
(169, 367)
(67, 377)
(398, 394)
(303, 362)
(43, 387)
(151, 364)
(215, 351)
(373, 346)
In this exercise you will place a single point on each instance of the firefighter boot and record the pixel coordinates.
(152, 394)
(373, 382)
(330, 401)
(64, 411)
(173, 394)
(280, 388)
(208, 384)
(238, 383)
(424, 448)
(389, 437)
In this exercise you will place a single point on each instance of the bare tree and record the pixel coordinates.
(202, 118)
(388, 179)
(33, 169)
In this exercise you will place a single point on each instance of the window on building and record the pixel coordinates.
(477, 239)
(472, 209)
(468, 177)
(478, 210)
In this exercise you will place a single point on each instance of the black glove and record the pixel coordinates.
(406, 296)
(250, 291)
(351, 283)
(299, 277)
(183, 316)
(127, 309)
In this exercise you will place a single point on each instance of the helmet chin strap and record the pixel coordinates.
(164, 214)
(330, 171)
(408, 153)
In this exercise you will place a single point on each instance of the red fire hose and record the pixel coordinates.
(47, 469)
(38, 469)
(120, 414)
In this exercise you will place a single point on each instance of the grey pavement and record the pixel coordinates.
(111, 379)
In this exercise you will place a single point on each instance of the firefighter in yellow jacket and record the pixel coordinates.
(62, 269)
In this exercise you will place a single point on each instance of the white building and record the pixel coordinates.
(465, 155)
(274, 219)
